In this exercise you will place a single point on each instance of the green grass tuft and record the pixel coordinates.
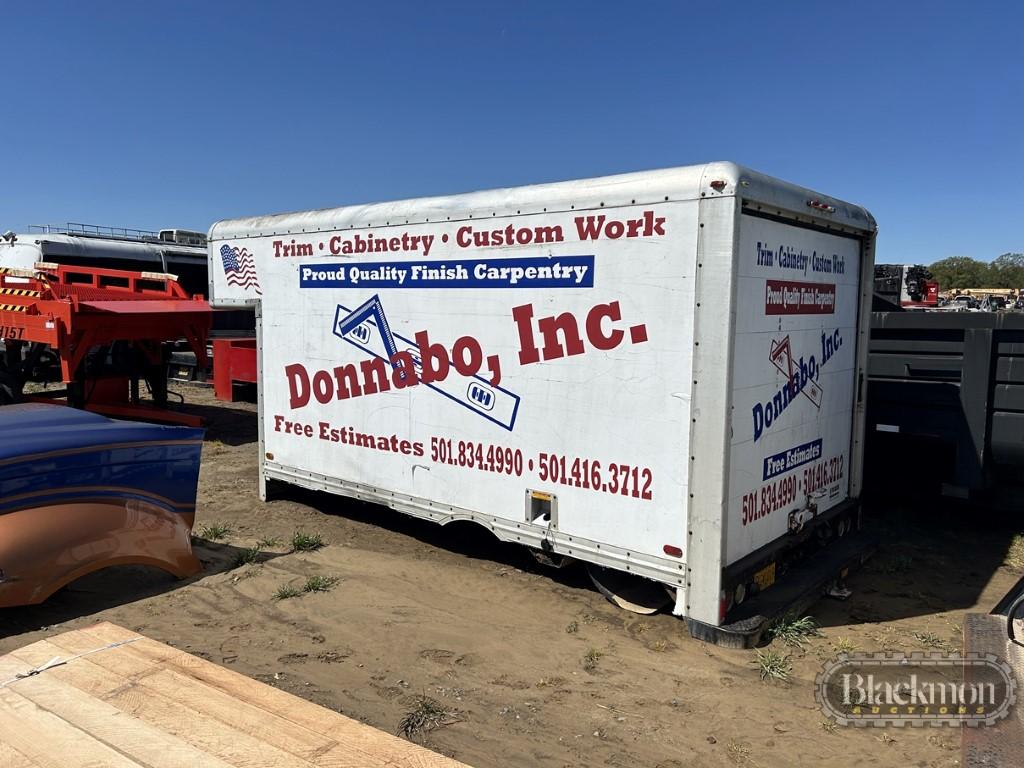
(772, 665)
(286, 591)
(590, 659)
(319, 583)
(214, 532)
(248, 556)
(1015, 553)
(306, 542)
(932, 640)
(793, 631)
(844, 645)
(426, 715)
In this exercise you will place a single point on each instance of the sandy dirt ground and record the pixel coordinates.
(534, 667)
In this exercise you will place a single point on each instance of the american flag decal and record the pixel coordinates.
(239, 268)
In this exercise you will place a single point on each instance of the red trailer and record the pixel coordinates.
(100, 332)
(234, 361)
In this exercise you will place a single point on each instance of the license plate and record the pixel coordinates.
(765, 577)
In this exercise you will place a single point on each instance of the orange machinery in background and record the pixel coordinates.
(100, 332)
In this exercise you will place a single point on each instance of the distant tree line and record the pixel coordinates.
(1006, 271)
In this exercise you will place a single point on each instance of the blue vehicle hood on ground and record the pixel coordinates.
(39, 428)
(53, 452)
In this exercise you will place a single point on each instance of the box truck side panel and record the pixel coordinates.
(794, 371)
(654, 372)
(553, 355)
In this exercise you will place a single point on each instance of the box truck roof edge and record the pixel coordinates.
(723, 198)
(678, 183)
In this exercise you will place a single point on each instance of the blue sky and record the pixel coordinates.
(155, 115)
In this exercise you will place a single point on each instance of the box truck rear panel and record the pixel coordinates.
(531, 359)
(794, 375)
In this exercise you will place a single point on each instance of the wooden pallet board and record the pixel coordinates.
(106, 696)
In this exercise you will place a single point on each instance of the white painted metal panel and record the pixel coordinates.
(714, 320)
(600, 424)
(798, 298)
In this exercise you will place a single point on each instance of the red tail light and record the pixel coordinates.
(820, 206)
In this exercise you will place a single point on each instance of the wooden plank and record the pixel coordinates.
(237, 748)
(49, 741)
(133, 738)
(12, 758)
(112, 633)
(9, 667)
(87, 677)
(149, 678)
(149, 704)
(132, 698)
(349, 734)
(200, 697)
(142, 687)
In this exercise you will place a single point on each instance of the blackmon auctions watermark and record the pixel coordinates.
(916, 689)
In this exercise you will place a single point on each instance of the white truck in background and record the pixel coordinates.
(659, 374)
(175, 251)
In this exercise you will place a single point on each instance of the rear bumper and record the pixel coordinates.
(802, 585)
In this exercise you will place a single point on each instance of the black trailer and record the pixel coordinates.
(946, 406)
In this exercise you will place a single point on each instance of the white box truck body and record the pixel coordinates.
(659, 373)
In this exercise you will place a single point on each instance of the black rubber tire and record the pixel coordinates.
(629, 591)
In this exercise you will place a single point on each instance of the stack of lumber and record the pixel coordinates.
(105, 696)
